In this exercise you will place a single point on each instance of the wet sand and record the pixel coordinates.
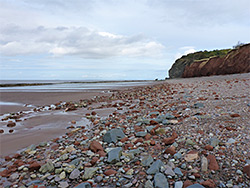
(41, 98)
(41, 126)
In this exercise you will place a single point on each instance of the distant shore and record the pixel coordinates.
(70, 82)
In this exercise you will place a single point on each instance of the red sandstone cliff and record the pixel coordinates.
(236, 61)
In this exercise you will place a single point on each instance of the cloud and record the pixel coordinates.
(77, 41)
(184, 51)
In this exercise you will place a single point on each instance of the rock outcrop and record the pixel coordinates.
(208, 63)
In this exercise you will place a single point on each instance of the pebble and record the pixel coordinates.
(89, 173)
(204, 164)
(83, 185)
(155, 167)
(178, 184)
(74, 174)
(63, 184)
(149, 184)
(98, 179)
(114, 155)
(147, 160)
(48, 167)
(160, 181)
(62, 175)
(178, 172)
(113, 135)
(169, 171)
(214, 142)
(196, 186)
(141, 134)
(13, 177)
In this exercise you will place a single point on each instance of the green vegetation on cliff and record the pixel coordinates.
(180, 64)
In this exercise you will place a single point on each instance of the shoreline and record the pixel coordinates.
(70, 82)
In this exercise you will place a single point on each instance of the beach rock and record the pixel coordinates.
(148, 184)
(169, 171)
(178, 184)
(170, 150)
(89, 173)
(178, 172)
(187, 183)
(191, 156)
(62, 175)
(231, 141)
(34, 182)
(113, 135)
(114, 155)
(63, 184)
(149, 128)
(160, 181)
(209, 147)
(13, 177)
(98, 179)
(171, 139)
(198, 105)
(169, 116)
(214, 142)
(213, 165)
(48, 167)
(141, 134)
(110, 172)
(155, 167)
(146, 161)
(178, 156)
(246, 170)
(11, 131)
(208, 183)
(204, 164)
(195, 186)
(190, 142)
(11, 124)
(95, 146)
(34, 166)
(83, 185)
(74, 174)
(94, 160)
(64, 157)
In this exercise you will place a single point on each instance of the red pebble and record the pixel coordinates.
(209, 147)
(209, 183)
(246, 170)
(213, 165)
(110, 172)
(234, 115)
(95, 146)
(187, 183)
(124, 139)
(170, 150)
(34, 166)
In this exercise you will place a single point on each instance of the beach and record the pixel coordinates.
(193, 130)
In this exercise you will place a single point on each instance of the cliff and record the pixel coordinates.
(217, 62)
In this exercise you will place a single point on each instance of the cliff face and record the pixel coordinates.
(217, 62)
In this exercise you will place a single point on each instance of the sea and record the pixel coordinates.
(65, 85)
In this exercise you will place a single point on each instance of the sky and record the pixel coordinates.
(112, 39)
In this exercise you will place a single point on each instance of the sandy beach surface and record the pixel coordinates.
(174, 133)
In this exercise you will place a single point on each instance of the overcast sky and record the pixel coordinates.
(112, 39)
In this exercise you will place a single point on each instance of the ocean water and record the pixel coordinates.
(65, 85)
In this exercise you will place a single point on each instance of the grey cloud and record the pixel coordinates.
(79, 41)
